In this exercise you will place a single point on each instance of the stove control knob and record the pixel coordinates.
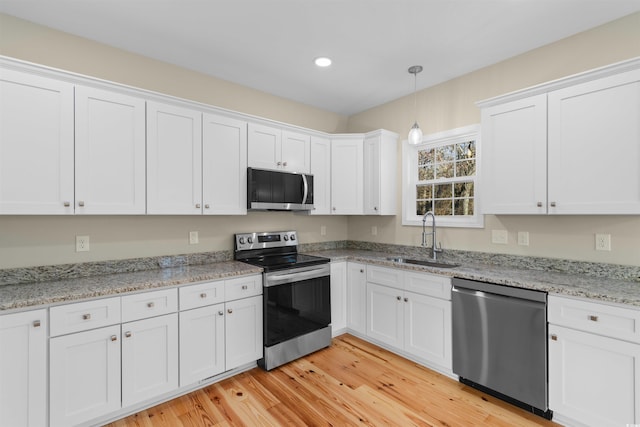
(241, 240)
(286, 237)
(293, 237)
(249, 239)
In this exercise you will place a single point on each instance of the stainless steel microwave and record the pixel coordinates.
(279, 191)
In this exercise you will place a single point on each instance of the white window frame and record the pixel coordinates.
(410, 177)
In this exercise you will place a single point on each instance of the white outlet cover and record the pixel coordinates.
(500, 237)
(193, 238)
(523, 238)
(603, 242)
(82, 243)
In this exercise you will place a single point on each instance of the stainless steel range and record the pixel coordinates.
(296, 295)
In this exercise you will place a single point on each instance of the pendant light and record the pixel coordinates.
(415, 134)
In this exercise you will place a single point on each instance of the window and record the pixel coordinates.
(441, 175)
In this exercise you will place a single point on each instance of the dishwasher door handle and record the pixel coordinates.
(474, 293)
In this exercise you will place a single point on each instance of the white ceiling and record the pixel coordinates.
(270, 45)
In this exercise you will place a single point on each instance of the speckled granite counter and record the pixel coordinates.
(31, 295)
(570, 284)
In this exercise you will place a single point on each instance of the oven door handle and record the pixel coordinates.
(278, 279)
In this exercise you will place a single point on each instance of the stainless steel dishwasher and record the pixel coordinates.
(500, 342)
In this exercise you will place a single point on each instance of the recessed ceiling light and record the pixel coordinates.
(322, 61)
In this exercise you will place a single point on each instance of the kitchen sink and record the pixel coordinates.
(426, 263)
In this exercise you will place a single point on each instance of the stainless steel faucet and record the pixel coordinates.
(434, 249)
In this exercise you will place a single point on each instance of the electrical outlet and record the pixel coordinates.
(193, 238)
(374, 230)
(82, 243)
(323, 230)
(603, 242)
(523, 238)
(500, 237)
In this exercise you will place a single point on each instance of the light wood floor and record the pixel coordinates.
(350, 383)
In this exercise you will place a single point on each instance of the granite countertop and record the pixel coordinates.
(568, 284)
(31, 295)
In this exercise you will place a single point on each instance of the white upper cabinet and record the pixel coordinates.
(224, 159)
(174, 160)
(36, 144)
(572, 150)
(380, 166)
(110, 152)
(514, 160)
(594, 147)
(277, 149)
(321, 171)
(347, 175)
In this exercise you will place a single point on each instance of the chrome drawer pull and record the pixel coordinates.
(539, 204)
(229, 311)
(86, 316)
(221, 313)
(36, 324)
(114, 338)
(67, 204)
(81, 203)
(245, 287)
(399, 298)
(593, 318)
(203, 295)
(406, 299)
(127, 334)
(554, 337)
(151, 304)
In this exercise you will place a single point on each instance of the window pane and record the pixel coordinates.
(444, 170)
(425, 156)
(443, 207)
(424, 192)
(466, 168)
(425, 173)
(463, 189)
(464, 207)
(466, 150)
(443, 191)
(445, 153)
(422, 207)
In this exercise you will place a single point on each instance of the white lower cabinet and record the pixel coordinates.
(84, 380)
(357, 297)
(594, 379)
(149, 358)
(243, 331)
(417, 322)
(23, 369)
(338, 297)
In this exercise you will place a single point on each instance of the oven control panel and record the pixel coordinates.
(271, 239)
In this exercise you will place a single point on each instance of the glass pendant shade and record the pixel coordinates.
(415, 134)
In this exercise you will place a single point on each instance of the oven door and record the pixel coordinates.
(296, 302)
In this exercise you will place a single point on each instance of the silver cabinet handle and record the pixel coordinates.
(539, 204)
(197, 205)
(128, 334)
(399, 298)
(406, 299)
(229, 311)
(553, 204)
(221, 313)
(375, 208)
(284, 163)
(362, 270)
(206, 206)
(86, 316)
(554, 337)
(245, 287)
(151, 304)
(81, 203)
(279, 163)
(36, 324)
(114, 338)
(334, 208)
(67, 204)
(203, 295)
(593, 318)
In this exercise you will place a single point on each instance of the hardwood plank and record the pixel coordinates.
(352, 383)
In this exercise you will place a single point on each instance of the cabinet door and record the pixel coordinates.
(174, 160)
(514, 157)
(357, 297)
(380, 158)
(371, 168)
(321, 171)
(264, 147)
(593, 379)
(23, 369)
(347, 176)
(594, 129)
(427, 328)
(243, 326)
(201, 343)
(36, 145)
(224, 159)
(385, 314)
(84, 380)
(149, 358)
(110, 153)
(338, 297)
(296, 152)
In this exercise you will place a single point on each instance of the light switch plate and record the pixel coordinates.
(500, 237)
(193, 238)
(523, 238)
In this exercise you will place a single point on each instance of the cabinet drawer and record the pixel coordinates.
(243, 287)
(82, 316)
(385, 276)
(603, 319)
(201, 295)
(428, 284)
(149, 304)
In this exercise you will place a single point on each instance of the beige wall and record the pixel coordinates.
(452, 104)
(37, 240)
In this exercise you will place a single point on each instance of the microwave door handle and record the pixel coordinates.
(305, 190)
